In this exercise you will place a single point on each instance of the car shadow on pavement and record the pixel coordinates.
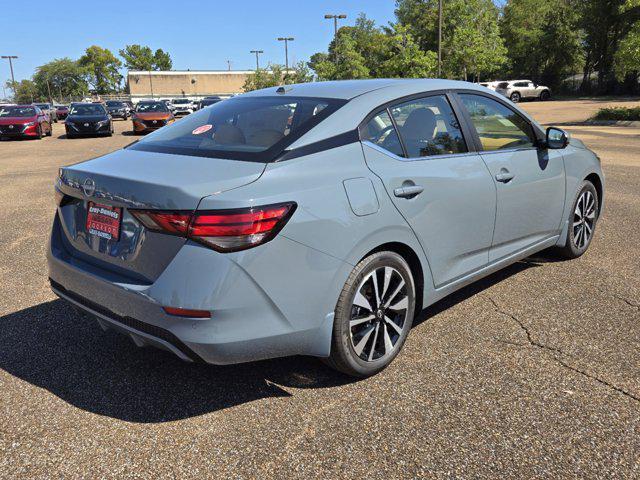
(55, 347)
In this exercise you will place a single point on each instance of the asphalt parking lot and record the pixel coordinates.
(531, 373)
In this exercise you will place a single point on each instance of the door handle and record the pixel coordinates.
(408, 192)
(504, 176)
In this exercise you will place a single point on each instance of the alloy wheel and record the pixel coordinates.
(378, 314)
(584, 217)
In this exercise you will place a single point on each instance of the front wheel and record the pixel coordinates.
(373, 315)
(545, 95)
(39, 132)
(582, 221)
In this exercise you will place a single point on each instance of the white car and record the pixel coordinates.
(182, 106)
(516, 90)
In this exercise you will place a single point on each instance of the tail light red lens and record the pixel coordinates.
(185, 312)
(222, 230)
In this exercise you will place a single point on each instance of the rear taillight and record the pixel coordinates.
(222, 230)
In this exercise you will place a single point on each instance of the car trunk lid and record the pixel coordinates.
(129, 179)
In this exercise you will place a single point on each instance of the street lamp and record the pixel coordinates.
(286, 41)
(439, 38)
(257, 52)
(13, 80)
(335, 21)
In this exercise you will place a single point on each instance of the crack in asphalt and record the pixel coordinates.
(617, 296)
(554, 351)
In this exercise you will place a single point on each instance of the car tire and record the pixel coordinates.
(545, 95)
(39, 132)
(583, 217)
(515, 97)
(50, 132)
(373, 315)
(70, 136)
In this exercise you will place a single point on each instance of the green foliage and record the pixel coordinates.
(137, 57)
(62, 77)
(25, 91)
(543, 43)
(405, 59)
(277, 75)
(618, 113)
(627, 58)
(102, 69)
(471, 41)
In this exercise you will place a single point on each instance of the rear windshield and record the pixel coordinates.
(115, 104)
(242, 128)
(503, 85)
(17, 111)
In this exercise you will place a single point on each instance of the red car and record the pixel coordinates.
(62, 111)
(24, 121)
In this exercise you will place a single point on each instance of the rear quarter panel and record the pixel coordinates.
(324, 223)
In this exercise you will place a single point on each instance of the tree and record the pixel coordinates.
(24, 91)
(276, 75)
(62, 77)
(102, 68)
(137, 57)
(605, 24)
(471, 40)
(543, 44)
(405, 59)
(343, 62)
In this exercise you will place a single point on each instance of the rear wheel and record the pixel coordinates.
(373, 315)
(545, 95)
(515, 97)
(582, 221)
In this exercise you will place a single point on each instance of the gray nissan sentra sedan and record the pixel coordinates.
(315, 219)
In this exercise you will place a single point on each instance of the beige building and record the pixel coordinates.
(177, 83)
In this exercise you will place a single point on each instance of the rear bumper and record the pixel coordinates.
(254, 315)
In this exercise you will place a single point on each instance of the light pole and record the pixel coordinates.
(13, 80)
(439, 38)
(286, 41)
(151, 83)
(335, 21)
(340, 16)
(257, 52)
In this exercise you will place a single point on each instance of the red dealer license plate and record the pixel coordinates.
(104, 221)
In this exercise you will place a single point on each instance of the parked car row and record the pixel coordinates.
(94, 118)
(516, 90)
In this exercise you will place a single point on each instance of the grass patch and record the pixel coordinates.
(618, 113)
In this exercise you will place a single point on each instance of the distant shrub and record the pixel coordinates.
(618, 113)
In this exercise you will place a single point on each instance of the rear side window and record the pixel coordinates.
(381, 132)
(428, 127)
(242, 128)
(498, 127)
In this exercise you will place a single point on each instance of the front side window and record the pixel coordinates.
(381, 132)
(498, 126)
(242, 128)
(428, 127)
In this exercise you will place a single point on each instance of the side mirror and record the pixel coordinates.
(556, 138)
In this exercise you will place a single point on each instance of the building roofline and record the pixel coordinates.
(190, 72)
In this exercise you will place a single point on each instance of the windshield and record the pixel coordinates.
(182, 100)
(42, 105)
(115, 104)
(17, 111)
(208, 101)
(151, 107)
(87, 110)
(243, 128)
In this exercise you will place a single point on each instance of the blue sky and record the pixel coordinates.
(198, 34)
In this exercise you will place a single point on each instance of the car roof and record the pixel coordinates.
(365, 96)
(348, 89)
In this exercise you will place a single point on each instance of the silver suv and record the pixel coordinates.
(516, 90)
